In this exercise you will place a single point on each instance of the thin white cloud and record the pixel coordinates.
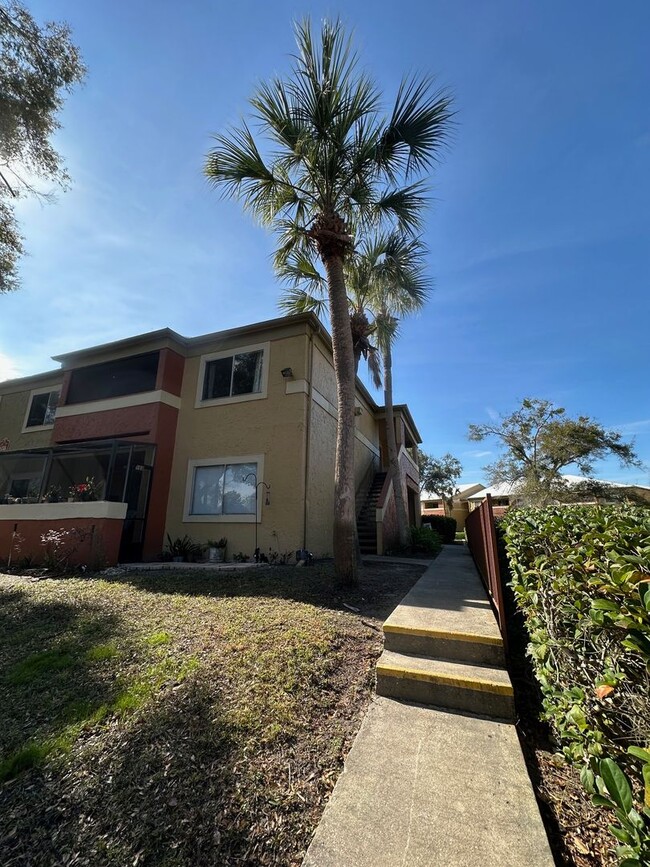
(8, 368)
(632, 427)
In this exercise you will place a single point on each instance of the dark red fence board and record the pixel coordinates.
(482, 543)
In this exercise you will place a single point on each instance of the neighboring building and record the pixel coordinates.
(186, 436)
(433, 504)
(503, 495)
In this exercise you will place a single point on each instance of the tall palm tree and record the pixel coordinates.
(336, 166)
(385, 281)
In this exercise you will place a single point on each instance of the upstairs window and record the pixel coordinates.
(233, 376)
(42, 409)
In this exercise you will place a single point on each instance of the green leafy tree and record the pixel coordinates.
(385, 281)
(38, 65)
(336, 168)
(540, 441)
(440, 476)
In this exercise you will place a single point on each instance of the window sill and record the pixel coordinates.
(37, 427)
(222, 401)
(218, 519)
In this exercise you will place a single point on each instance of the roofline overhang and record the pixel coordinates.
(32, 379)
(187, 342)
(402, 409)
(140, 341)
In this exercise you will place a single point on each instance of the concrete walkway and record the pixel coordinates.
(426, 786)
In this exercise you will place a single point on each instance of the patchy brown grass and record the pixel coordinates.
(174, 719)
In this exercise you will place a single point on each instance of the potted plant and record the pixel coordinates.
(54, 494)
(217, 550)
(84, 492)
(181, 549)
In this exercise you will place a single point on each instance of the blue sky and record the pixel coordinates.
(539, 236)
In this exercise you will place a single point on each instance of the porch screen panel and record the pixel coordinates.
(131, 375)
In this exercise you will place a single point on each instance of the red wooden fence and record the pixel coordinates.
(482, 543)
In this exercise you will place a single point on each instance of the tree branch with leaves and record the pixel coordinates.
(38, 66)
(540, 441)
(440, 476)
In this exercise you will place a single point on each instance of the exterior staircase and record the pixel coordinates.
(366, 522)
(442, 646)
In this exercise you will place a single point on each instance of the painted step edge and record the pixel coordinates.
(480, 685)
(423, 632)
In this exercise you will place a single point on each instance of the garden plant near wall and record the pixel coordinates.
(581, 576)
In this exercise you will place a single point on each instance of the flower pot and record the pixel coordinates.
(216, 555)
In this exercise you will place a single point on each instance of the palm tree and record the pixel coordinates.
(336, 166)
(385, 281)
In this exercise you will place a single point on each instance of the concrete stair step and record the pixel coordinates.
(479, 689)
(444, 644)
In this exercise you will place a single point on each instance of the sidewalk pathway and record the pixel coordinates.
(426, 786)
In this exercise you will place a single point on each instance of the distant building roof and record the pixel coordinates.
(503, 490)
(463, 492)
(506, 489)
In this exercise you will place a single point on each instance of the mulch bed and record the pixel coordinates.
(181, 719)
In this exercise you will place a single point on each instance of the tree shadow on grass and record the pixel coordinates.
(380, 587)
(53, 674)
(169, 786)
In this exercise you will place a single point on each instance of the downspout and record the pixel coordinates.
(308, 409)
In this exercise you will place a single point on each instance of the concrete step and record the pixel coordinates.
(480, 689)
(444, 644)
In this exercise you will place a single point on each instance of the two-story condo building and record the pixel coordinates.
(230, 434)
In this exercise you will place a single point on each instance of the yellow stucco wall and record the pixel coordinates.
(13, 408)
(273, 427)
(322, 447)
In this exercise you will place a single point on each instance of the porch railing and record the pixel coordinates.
(482, 543)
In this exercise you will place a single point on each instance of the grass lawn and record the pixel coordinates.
(180, 719)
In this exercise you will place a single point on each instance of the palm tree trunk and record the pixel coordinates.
(393, 460)
(345, 527)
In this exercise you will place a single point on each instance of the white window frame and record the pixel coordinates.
(32, 395)
(229, 353)
(223, 519)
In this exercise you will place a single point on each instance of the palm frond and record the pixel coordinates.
(325, 150)
(417, 129)
(274, 109)
(386, 329)
(237, 167)
(297, 300)
(404, 206)
(291, 239)
(374, 368)
(300, 268)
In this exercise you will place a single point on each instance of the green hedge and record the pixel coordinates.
(581, 576)
(445, 527)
